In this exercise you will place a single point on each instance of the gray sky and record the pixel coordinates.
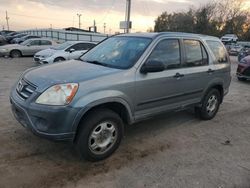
(25, 14)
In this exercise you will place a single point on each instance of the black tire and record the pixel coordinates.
(241, 79)
(208, 108)
(15, 54)
(85, 142)
(58, 59)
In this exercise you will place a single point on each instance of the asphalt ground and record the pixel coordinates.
(171, 150)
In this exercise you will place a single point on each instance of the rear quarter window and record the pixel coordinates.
(218, 50)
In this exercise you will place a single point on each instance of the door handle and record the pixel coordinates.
(210, 71)
(178, 75)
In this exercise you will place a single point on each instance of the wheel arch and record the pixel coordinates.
(219, 87)
(16, 50)
(118, 106)
(59, 57)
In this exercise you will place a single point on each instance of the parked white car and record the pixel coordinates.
(65, 51)
(229, 38)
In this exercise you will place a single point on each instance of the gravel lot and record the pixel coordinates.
(173, 150)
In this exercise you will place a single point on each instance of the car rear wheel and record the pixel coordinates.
(15, 54)
(59, 59)
(100, 135)
(210, 105)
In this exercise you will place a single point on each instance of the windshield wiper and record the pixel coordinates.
(98, 63)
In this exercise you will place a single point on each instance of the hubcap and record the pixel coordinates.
(212, 104)
(102, 138)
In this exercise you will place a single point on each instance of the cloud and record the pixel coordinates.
(62, 13)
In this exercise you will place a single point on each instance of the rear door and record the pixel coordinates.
(32, 48)
(44, 44)
(197, 71)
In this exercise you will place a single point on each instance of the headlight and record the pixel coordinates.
(3, 50)
(61, 94)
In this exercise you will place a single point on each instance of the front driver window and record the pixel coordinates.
(167, 52)
(35, 43)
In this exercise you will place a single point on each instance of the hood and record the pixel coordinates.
(46, 53)
(10, 46)
(66, 72)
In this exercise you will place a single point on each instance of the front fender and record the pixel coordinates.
(91, 100)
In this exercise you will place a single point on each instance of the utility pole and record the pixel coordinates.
(95, 29)
(79, 17)
(7, 20)
(127, 17)
(104, 28)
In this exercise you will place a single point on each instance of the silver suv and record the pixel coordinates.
(123, 80)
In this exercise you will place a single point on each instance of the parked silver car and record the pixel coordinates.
(123, 80)
(26, 48)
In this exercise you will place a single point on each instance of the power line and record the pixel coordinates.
(41, 18)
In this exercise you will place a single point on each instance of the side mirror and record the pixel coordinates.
(152, 66)
(71, 50)
(28, 45)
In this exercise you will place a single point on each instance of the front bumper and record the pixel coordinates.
(243, 71)
(51, 122)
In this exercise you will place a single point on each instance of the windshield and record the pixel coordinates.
(117, 52)
(25, 42)
(61, 46)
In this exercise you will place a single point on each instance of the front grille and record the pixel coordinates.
(25, 89)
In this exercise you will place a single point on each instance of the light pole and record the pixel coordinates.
(104, 28)
(7, 20)
(79, 17)
(127, 17)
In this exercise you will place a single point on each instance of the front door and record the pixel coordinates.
(160, 91)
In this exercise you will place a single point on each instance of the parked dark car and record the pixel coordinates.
(243, 70)
(2, 40)
(245, 51)
(24, 38)
(5, 32)
(10, 38)
(17, 37)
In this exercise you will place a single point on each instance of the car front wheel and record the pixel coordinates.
(59, 59)
(100, 135)
(15, 54)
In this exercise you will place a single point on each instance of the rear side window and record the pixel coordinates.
(168, 52)
(218, 51)
(196, 54)
(45, 42)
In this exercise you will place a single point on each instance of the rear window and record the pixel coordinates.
(196, 54)
(218, 51)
